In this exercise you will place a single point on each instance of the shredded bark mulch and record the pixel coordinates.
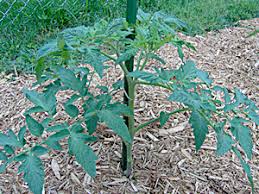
(165, 160)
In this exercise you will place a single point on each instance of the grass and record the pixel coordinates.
(20, 38)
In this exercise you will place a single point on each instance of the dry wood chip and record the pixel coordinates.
(55, 168)
(152, 137)
(181, 127)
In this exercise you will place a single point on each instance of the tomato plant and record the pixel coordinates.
(130, 44)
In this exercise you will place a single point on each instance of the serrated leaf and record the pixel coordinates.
(9, 140)
(126, 55)
(57, 127)
(245, 166)
(204, 76)
(120, 109)
(20, 157)
(84, 154)
(163, 118)
(104, 89)
(69, 79)
(35, 109)
(156, 57)
(54, 145)
(224, 140)
(118, 85)
(94, 58)
(21, 135)
(39, 150)
(47, 49)
(34, 126)
(45, 122)
(58, 135)
(200, 128)
(253, 116)
(242, 135)
(72, 99)
(71, 110)
(33, 173)
(116, 123)
(77, 128)
(189, 72)
(187, 98)
(84, 137)
(3, 157)
(45, 100)
(8, 149)
(91, 123)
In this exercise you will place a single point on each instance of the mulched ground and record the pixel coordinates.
(165, 159)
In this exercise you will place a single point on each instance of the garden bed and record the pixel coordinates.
(165, 158)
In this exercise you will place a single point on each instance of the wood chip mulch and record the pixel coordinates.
(165, 160)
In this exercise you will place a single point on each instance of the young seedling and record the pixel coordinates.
(57, 70)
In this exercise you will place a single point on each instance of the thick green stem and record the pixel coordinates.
(129, 96)
(127, 160)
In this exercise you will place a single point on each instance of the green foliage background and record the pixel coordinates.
(42, 19)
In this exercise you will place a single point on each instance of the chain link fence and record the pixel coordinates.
(24, 11)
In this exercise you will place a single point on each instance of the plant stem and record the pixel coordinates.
(157, 119)
(129, 97)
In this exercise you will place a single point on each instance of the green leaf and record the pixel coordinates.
(47, 49)
(72, 99)
(104, 89)
(69, 79)
(224, 140)
(200, 128)
(116, 123)
(118, 85)
(242, 135)
(57, 127)
(91, 123)
(9, 150)
(71, 110)
(3, 157)
(39, 150)
(180, 52)
(3, 167)
(187, 98)
(253, 116)
(245, 166)
(126, 55)
(9, 140)
(33, 173)
(58, 135)
(54, 145)
(45, 100)
(77, 128)
(21, 135)
(120, 109)
(95, 59)
(34, 126)
(20, 157)
(163, 118)
(35, 109)
(189, 72)
(84, 154)
(45, 122)
(156, 57)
